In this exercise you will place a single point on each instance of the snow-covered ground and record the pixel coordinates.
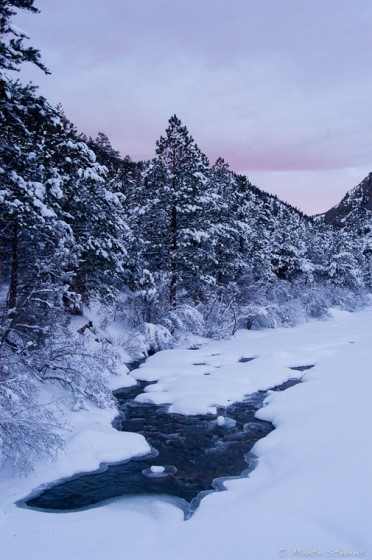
(309, 496)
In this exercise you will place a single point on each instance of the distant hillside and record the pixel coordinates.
(355, 209)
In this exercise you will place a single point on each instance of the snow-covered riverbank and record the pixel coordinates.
(310, 495)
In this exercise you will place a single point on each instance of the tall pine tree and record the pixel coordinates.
(177, 190)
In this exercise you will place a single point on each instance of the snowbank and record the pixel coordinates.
(310, 495)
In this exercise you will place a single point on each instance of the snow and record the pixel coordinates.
(194, 381)
(55, 189)
(44, 210)
(17, 31)
(156, 469)
(225, 421)
(93, 446)
(39, 189)
(90, 174)
(309, 496)
(159, 471)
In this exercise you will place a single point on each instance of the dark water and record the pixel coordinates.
(302, 368)
(196, 450)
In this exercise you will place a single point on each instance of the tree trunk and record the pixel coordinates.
(173, 282)
(13, 287)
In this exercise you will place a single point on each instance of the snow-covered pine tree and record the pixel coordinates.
(34, 237)
(259, 251)
(93, 208)
(226, 227)
(45, 170)
(177, 187)
(344, 268)
(366, 252)
(33, 251)
(106, 155)
(289, 252)
(13, 51)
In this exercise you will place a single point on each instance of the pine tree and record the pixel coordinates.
(344, 260)
(93, 208)
(13, 51)
(226, 225)
(34, 237)
(176, 208)
(35, 247)
(289, 253)
(105, 153)
(260, 249)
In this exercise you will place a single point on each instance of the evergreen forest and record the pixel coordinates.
(163, 248)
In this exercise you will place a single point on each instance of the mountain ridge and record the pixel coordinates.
(355, 206)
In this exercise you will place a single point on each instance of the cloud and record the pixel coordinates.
(271, 86)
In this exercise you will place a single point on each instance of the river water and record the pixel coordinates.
(191, 454)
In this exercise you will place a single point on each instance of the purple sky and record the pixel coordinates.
(281, 89)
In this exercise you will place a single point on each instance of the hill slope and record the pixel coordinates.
(355, 209)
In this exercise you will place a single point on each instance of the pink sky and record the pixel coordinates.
(280, 89)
